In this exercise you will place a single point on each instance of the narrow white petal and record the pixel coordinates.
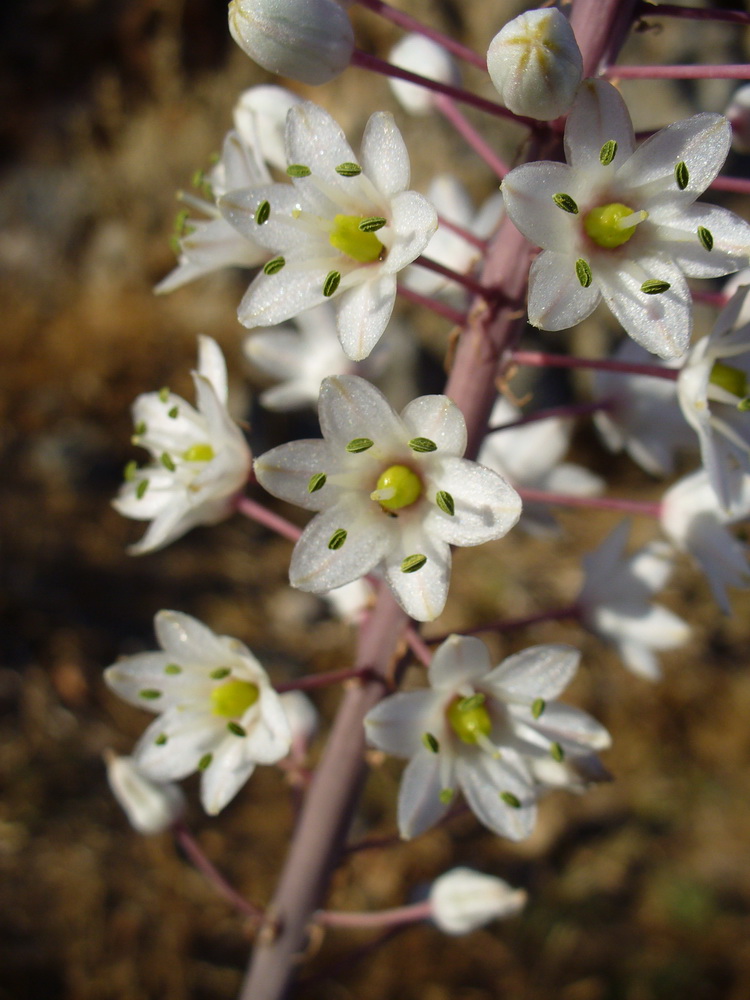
(422, 594)
(212, 366)
(273, 298)
(460, 659)
(399, 722)
(438, 419)
(190, 735)
(363, 314)
(285, 471)
(731, 236)
(224, 776)
(188, 640)
(413, 223)
(536, 672)
(384, 155)
(567, 725)
(528, 193)
(350, 407)
(281, 229)
(557, 300)
(599, 115)
(485, 505)
(419, 805)
(317, 568)
(483, 779)
(314, 140)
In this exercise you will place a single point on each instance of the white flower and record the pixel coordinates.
(463, 900)
(645, 420)
(714, 394)
(151, 807)
(421, 55)
(738, 113)
(302, 717)
(694, 522)
(350, 602)
(392, 492)
(307, 40)
(200, 460)
(259, 116)
(535, 64)
(477, 729)
(531, 455)
(616, 601)
(218, 713)
(340, 229)
(620, 223)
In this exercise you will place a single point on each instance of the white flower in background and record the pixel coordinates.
(738, 113)
(340, 229)
(463, 900)
(350, 602)
(616, 601)
(477, 729)
(620, 224)
(645, 419)
(714, 394)
(218, 713)
(694, 522)
(307, 40)
(535, 64)
(302, 717)
(391, 491)
(453, 204)
(151, 807)
(259, 116)
(531, 455)
(200, 460)
(421, 55)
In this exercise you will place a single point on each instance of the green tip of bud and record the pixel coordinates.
(566, 203)
(706, 238)
(317, 482)
(421, 445)
(274, 265)
(655, 287)
(430, 742)
(348, 169)
(445, 502)
(413, 563)
(298, 170)
(537, 707)
(356, 445)
(337, 539)
(262, 212)
(607, 152)
(511, 800)
(583, 272)
(681, 175)
(331, 283)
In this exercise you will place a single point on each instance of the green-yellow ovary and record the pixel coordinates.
(732, 379)
(233, 699)
(405, 483)
(601, 225)
(199, 453)
(347, 237)
(469, 723)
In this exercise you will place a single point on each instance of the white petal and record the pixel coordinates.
(459, 660)
(536, 672)
(363, 314)
(281, 230)
(212, 366)
(135, 674)
(419, 805)
(225, 775)
(485, 506)
(285, 471)
(731, 236)
(350, 408)
(190, 735)
(528, 192)
(317, 568)
(399, 722)
(483, 779)
(413, 222)
(438, 419)
(314, 140)
(639, 659)
(189, 641)
(557, 300)
(422, 594)
(571, 726)
(384, 155)
(599, 114)
(273, 298)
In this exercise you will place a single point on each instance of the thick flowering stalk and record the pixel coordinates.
(620, 224)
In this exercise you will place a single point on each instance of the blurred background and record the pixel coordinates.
(640, 890)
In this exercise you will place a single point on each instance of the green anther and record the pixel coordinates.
(706, 237)
(220, 673)
(681, 175)
(372, 224)
(174, 412)
(744, 405)
(511, 800)
(356, 445)
(430, 742)
(205, 761)
(262, 212)
(537, 707)
(607, 152)
(232, 700)
(199, 453)
(422, 445)
(731, 379)
(347, 237)
(348, 169)
(130, 470)
(445, 502)
(472, 702)
(180, 221)
(413, 563)
(337, 539)
(566, 203)
(397, 487)
(150, 694)
(331, 283)
(468, 720)
(298, 170)
(236, 729)
(140, 490)
(173, 668)
(601, 225)
(446, 796)
(161, 739)
(140, 428)
(655, 287)
(274, 265)
(317, 482)
(167, 462)
(557, 752)
(175, 246)
(583, 272)
(163, 396)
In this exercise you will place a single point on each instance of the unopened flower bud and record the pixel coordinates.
(536, 65)
(463, 900)
(150, 806)
(420, 55)
(301, 715)
(738, 113)
(307, 40)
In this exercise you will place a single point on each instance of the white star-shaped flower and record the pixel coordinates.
(619, 223)
(342, 229)
(391, 491)
(478, 729)
(218, 713)
(714, 394)
(200, 459)
(616, 601)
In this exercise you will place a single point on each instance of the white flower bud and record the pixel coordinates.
(307, 40)
(420, 55)
(150, 806)
(738, 113)
(463, 900)
(301, 715)
(535, 64)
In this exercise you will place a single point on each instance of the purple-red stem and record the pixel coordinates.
(463, 232)
(466, 130)
(322, 680)
(455, 316)
(383, 918)
(570, 410)
(418, 646)
(737, 71)
(694, 13)
(737, 185)
(460, 279)
(647, 508)
(257, 512)
(541, 359)
(194, 851)
(508, 624)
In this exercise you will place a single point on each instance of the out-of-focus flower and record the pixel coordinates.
(463, 900)
(535, 64)
(260, 119)
(421, 55)
(620, 224)
(307, 40)
(302, 717)
(391, 491)
(218, 713)
(151, 807)
(340, 230)
(616, 601)
(738, 113)
(200, 459)
(477, 729)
